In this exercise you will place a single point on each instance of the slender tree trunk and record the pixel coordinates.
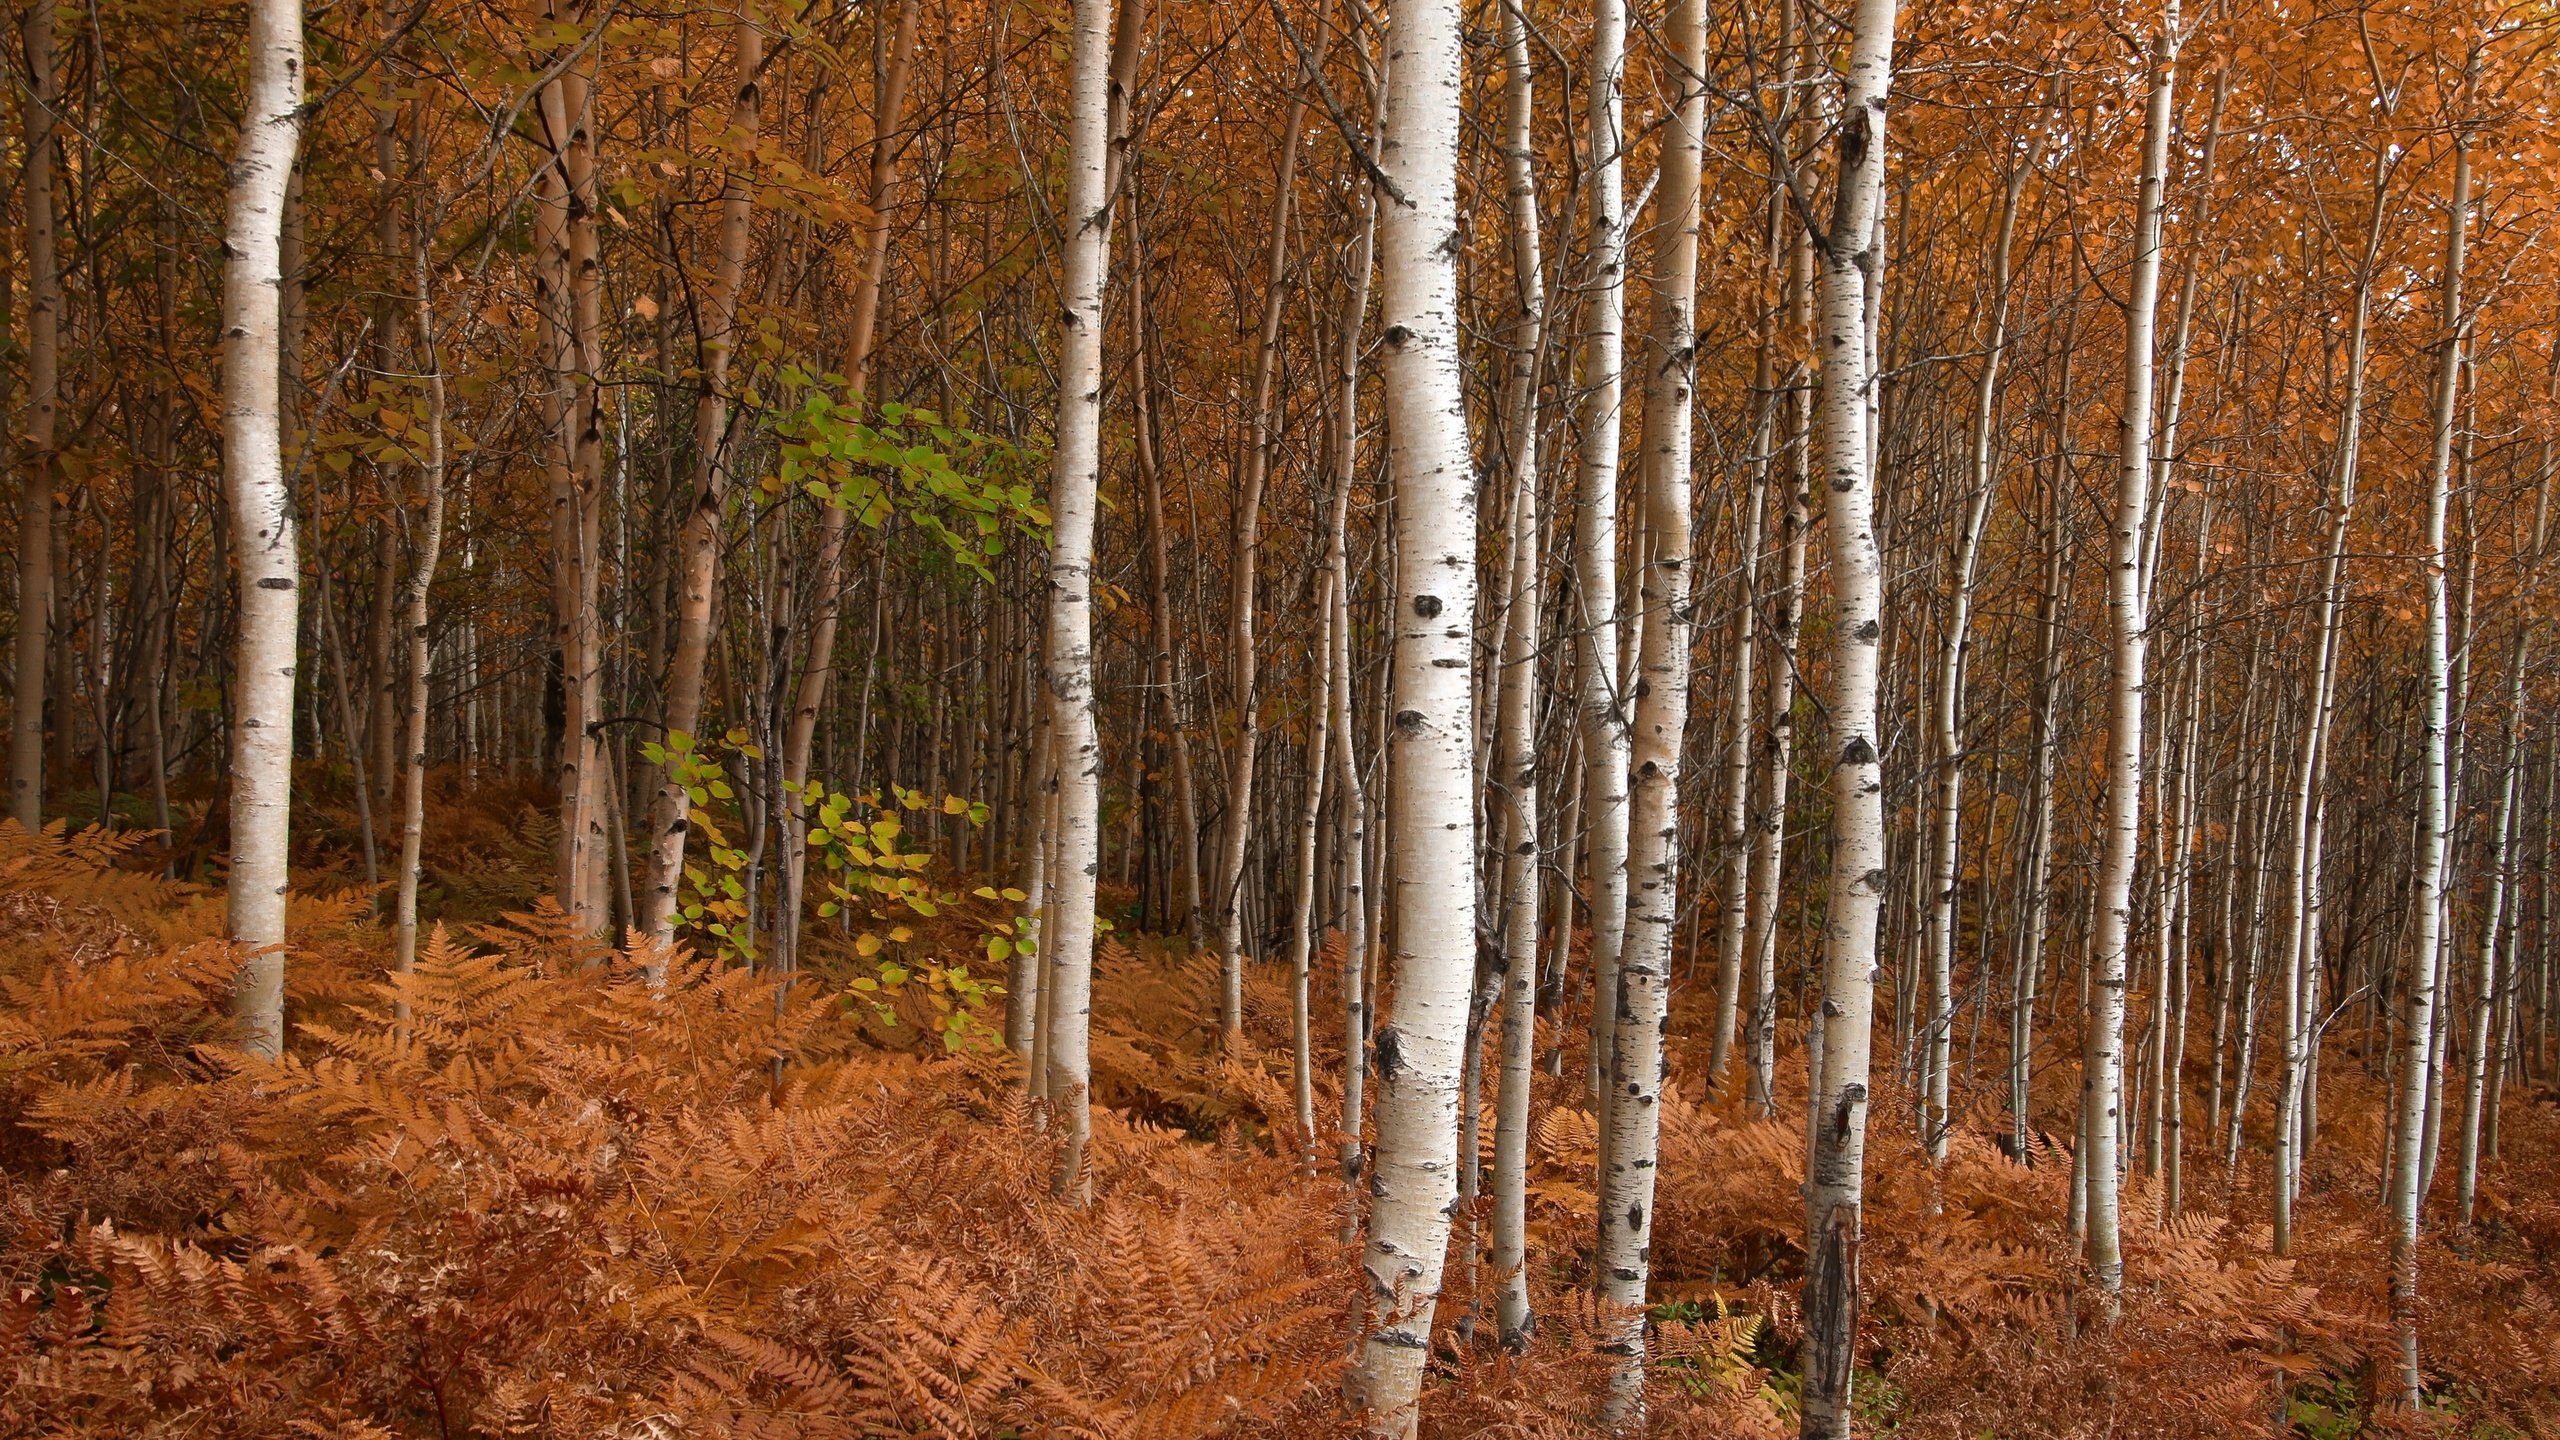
(827, 576)
(699, 540)
(1733, 900)
(44, 405)
(2102, 1092)
(262, 531)
(1949, 712)
(1638, 1063)
(1358, 938)
(1835, 1165)
(1302, 920)
(1245, 569)
(1075, 478)
(2419, 988)
(2302, 936)
(1432, 801)
(568, 281)
(1515, 767)
(422, 575)
(2487, 982)
(1777, 762)
(1605, 736)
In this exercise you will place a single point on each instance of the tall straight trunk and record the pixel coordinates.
(1244, 570)
(1162, 646)
(2419, 987)
(1075, 478)
(262, 532)
(570, 286)
(1302, 918)
(698, 543)
(1358, 938)
(44, 405)
(1767, 867)
(1431, 859)
(1638, 1063)
(2102, 1048)
(2047, 745)
(1515, 766)
(2487, 983)
(827, 580)
(2302, 935)
(1733, 899)
(1948, 715)
(1598, 624)
(1835, 1180)
(422, 575)
(383, 700)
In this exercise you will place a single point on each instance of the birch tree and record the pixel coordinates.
(1835, 1164)
(1605, 737)
(1075, 811)
(1431, 803)
(259, 495)
(2128, 634)
(569, 283)
(1516, 761)
(2418, 989)
(699, 543)
(2301, 941)
(422, 575)
(1947, 716)
(1637, 1061)
(827, 583)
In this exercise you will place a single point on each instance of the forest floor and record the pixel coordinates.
(515, 1193)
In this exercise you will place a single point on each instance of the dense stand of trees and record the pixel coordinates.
(1822, 557)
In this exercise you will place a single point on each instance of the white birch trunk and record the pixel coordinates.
(1605, 737)
(1515, 767)
(1431, 860)
(1076, 815)
(1777, 762)
(1835, 1166)
(1949, 710)
(2302, 936)
(2419, 988)
(1637, 1063)
(2102, 1089)
(262, 532)
(1245, 565)
(1353, 843)
(2487, 983)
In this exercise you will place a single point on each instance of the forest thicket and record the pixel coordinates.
(786, 718)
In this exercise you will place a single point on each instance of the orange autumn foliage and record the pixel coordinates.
(552, 1203)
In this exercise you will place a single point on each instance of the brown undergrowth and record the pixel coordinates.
(549, 1202)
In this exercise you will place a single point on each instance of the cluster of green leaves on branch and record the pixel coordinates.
(966, 490)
